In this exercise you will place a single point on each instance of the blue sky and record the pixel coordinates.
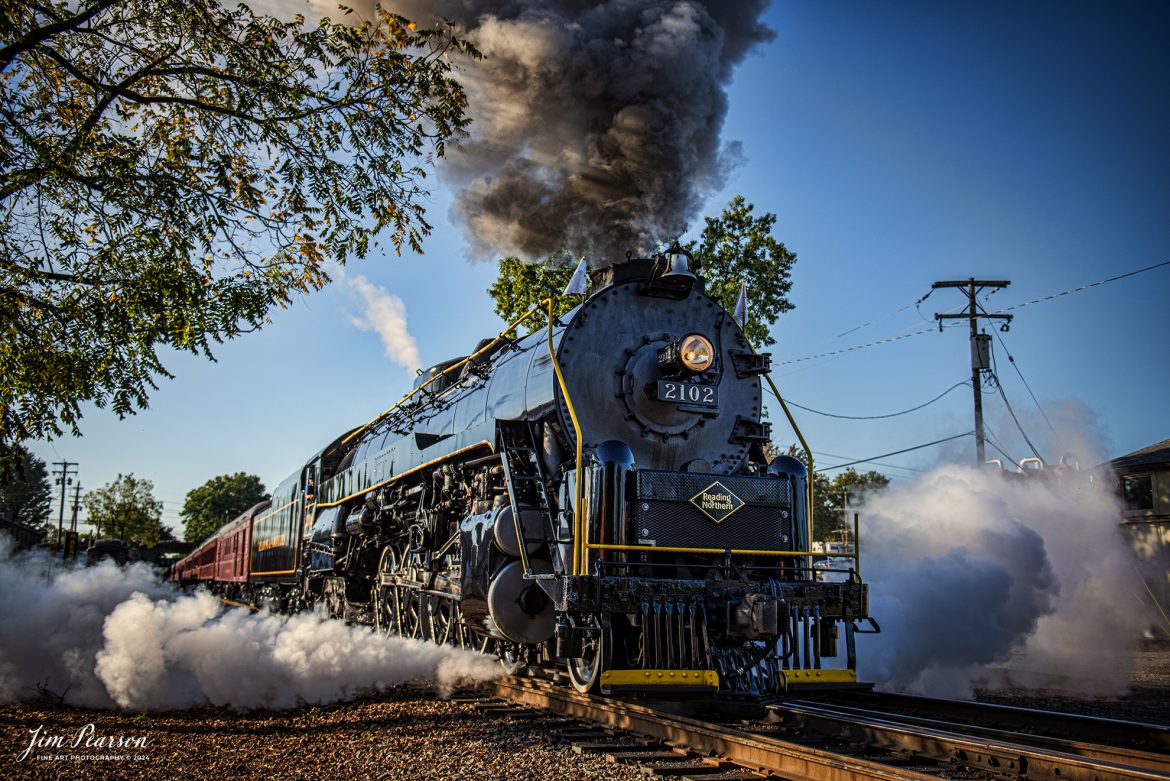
(899, 143)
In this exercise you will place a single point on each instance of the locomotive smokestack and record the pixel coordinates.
(596, 124)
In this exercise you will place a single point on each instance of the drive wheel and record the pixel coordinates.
(443, 620)
(413, 614)
(585, 671)
(479, 642)
(511, 656)
(386, 594)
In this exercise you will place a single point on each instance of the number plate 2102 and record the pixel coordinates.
(687, 393)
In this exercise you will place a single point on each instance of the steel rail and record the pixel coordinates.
(1017, 754)
(1107, 753)
(1113, 732)
(743, 748)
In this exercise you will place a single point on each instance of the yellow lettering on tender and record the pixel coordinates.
(271, 542)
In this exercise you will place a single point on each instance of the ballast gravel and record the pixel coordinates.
(402, 733)
(407, 732)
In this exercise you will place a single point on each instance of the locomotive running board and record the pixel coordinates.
(674, 681)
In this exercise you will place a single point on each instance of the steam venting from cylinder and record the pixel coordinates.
(596, 125)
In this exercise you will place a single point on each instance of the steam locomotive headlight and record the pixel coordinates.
(692, 353)
(696, 353)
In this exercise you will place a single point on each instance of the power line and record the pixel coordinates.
(992, 439)
(1012, 361)
(878, 417)
(884, 317)
(867, 324)
(1086, 287)
(918, 304)
(897, 337)
(1002, 395)
(876, 463)
(920, 332)
(896, 452)
(843, 350)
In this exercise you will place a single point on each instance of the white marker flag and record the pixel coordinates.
(577, 283)
(740, 314)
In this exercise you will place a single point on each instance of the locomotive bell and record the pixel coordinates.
(678, 267)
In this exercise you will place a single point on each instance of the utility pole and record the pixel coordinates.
(76, 503)
(64, 479)
(980, 343)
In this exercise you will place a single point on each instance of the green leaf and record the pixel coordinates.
(155, 177)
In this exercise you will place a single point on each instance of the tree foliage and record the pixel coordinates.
(172, 170)
(25, 491)
(127, 510)
(736, 247)
(521, 286)
(829, 498)
(217, 501)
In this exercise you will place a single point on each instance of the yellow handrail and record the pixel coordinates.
(578, 522)
(359, 431)
(808, 454)
(856, 545)
(677, 549)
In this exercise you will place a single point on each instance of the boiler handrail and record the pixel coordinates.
(579, 565)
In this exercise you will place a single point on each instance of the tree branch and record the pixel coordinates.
(41, 34)
(50, 275)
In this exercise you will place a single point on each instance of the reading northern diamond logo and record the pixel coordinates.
(717, 501)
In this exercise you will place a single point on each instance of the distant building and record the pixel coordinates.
(1144, 486)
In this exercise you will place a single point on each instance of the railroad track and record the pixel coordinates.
(825, 740)
(1152, 738)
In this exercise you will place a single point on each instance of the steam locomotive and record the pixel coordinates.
(592, 498)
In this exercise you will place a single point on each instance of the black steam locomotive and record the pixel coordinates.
(592, 497)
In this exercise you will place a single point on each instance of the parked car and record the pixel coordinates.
(108, 549)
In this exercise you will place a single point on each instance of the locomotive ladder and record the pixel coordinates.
(525, 480)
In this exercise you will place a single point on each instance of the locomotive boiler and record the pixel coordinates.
(592, 497)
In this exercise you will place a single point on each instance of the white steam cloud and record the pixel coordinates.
(984, 580)
(385, 313)
(312, 10)
(109, 637)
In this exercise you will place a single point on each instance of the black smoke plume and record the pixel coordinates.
(596, 124)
